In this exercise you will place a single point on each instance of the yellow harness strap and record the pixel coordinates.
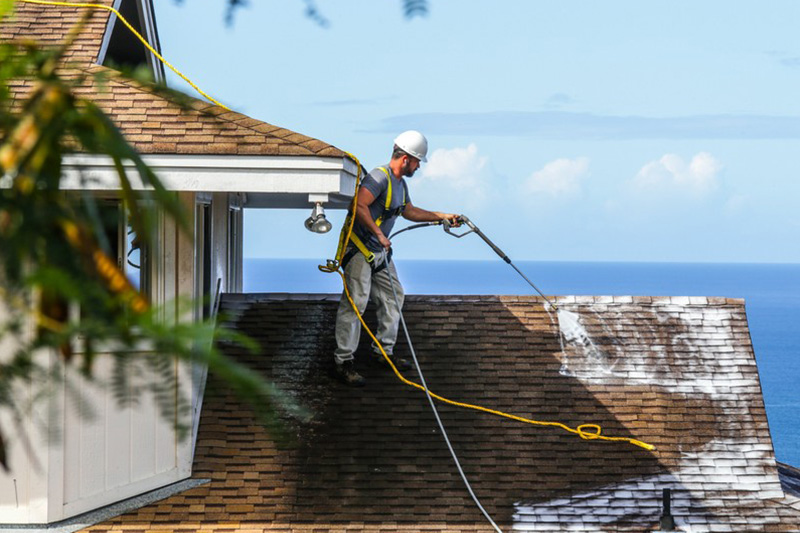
(388, 202)
(369, 255)
(584, 431)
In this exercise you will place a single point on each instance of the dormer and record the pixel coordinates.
(121, 48)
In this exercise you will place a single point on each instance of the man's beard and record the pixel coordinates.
(406, 171)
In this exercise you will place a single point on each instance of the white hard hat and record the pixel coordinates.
(413, 143)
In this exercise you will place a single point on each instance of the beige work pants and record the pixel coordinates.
(365, 286)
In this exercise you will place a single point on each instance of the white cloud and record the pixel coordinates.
(558, 178)
(459, 175)
(672, 174)
(455, 164)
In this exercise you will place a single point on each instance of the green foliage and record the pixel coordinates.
(6, 6)
(61, 290)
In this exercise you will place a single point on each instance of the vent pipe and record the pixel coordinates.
(667, 521)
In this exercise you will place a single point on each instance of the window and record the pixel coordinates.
(136, 261)
(125, 246)
(203, 248)
(122, 49)
(234, 248)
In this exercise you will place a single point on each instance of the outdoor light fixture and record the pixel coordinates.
(317, 221)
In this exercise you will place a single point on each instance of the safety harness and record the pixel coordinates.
(387, 213)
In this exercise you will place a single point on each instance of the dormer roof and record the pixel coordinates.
(150, 120)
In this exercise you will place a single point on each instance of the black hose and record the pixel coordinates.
(493, 246)
(415, 226)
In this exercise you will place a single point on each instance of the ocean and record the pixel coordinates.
(771, 292)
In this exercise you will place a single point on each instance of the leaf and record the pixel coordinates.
(232, 5)
(56, 246)
(100, 135)
(6, 7)
(415, 8)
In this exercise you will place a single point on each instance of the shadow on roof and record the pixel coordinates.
(676, 373)
(375, 454)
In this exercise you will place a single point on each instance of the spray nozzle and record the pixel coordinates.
(461, 220)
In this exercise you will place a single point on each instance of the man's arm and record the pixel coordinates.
(365, 199)
(417, 214)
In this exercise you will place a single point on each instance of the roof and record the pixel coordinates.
(48, 26)
(152, 122)
(790, 479)
(155, 125)
(679, 373)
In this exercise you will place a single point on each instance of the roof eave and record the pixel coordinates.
(268, 181)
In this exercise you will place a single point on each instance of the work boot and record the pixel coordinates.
(399, 362)
(346, 373)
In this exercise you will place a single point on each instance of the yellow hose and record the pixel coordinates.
(584, 431)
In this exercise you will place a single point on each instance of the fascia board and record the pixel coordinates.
(146, 12)
(254, 174)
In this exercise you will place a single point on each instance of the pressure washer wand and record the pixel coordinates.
(474, 229)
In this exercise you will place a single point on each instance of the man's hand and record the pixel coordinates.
(386, 243)
(453, 220)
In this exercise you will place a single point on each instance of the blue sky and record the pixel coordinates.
(581, 131)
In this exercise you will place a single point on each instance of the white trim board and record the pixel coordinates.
(90, 518)
(235, 174)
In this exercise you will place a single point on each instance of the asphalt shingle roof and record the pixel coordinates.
(677, 373)
(152, 123)
(49, 27)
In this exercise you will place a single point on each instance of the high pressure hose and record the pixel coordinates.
(584, 431)
(384, 256)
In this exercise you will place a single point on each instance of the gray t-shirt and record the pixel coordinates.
(377, 183)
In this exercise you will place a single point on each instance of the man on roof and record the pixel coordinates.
(367, 262)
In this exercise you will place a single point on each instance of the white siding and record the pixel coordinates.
(24, 490)
(117, 452)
